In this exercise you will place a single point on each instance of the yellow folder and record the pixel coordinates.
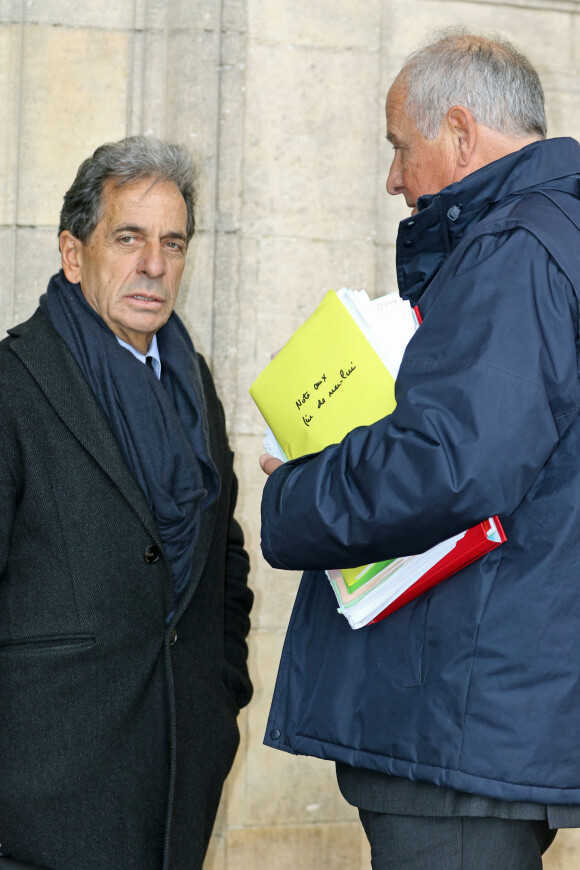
(324, 382)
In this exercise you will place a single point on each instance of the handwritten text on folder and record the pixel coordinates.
(325, 380)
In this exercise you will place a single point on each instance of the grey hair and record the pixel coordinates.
(488, 76)
(126, 162)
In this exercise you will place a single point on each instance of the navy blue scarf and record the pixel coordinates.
(160, 427)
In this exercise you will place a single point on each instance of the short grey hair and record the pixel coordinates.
(488, 76)
(126, 162)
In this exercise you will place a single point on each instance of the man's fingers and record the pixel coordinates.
(269, 463)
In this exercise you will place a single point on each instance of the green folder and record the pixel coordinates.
(354, 578)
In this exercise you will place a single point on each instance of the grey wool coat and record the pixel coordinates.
(117, 730)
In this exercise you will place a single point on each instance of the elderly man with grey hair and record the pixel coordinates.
(454, 722)
(124, 604)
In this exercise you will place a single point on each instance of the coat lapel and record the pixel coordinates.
(56, 372)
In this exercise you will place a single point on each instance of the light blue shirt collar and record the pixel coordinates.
(152, 351)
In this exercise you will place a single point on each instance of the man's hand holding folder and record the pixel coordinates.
(311, 398)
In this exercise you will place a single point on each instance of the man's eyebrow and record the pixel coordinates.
(128, 228)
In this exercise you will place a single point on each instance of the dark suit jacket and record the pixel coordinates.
(116, 730)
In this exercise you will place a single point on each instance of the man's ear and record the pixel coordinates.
(71, 255)
(463, 129)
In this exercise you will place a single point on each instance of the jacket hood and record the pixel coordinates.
(425, 239)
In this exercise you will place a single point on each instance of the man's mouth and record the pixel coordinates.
(141, 297)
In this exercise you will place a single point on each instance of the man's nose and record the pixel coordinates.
(152, 261)
(395, 178)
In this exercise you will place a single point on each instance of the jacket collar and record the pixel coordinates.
(425, 240)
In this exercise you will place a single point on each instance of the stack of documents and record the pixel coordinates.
(337, 372)
(385, 586)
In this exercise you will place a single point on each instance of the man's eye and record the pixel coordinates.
(126, 240)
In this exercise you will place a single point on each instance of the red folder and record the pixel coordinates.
(474, 544)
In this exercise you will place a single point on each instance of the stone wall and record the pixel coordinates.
(282, 102)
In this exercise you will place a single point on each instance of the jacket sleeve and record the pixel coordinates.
(9, 463)
(487, 387)
(238, 597)
(238, 604)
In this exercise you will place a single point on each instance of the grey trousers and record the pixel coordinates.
(455, 842)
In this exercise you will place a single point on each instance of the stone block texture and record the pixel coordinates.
(282, 104)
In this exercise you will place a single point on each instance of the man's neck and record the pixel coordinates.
(492, 145)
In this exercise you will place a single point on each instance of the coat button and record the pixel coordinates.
(275, 734)
(152, 554)
(173, 638)
(409, 243)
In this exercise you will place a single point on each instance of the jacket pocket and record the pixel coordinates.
(414, 664)
(46, 643)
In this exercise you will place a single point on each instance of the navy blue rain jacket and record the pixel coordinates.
(476, 684)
